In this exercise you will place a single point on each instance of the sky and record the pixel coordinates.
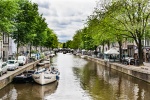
(65, 17)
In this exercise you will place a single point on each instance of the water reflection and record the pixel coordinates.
(69, 87)
(27, 91)
(107, 84)
(42, 91)
(8, 93)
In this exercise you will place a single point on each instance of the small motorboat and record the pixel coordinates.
(46, 61)
(44, 76)
(83, 56)
(24, 77)
(52, 55)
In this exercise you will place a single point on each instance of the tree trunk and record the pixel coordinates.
(108, 45)
(17, 47)
(103, 49)
(17, 51)
(30, 50)
(36, 48)
(140, 52)
(120, 50)
(41, 49)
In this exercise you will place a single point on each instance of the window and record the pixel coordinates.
(147, 42)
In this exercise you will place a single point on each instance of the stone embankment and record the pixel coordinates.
(141, 72)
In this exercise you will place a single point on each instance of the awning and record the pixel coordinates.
(112, 51)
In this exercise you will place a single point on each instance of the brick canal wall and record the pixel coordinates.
(140, 72)
(7, 78)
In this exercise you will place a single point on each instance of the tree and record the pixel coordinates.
(8, 10)
(101, 33)
(69, 44)
(24, 22)
(83, 39)
(132, 16)
(76, 43)
(40, 27)
(87, 39)
(123, 19)
(51, 41)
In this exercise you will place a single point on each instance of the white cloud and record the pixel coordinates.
(65, 16)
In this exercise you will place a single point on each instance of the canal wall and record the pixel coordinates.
(140, 72)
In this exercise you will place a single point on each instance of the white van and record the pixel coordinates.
(22, 60)
(3, 68)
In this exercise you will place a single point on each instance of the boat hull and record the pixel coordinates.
(24, 77)
(44, 78)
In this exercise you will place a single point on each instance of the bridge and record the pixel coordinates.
(65, 50)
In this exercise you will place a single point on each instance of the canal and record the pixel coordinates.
(80, 80)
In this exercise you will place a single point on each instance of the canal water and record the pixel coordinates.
(80, 80)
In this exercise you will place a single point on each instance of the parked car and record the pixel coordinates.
(11, 57)
(22, 60)
(129, 61)
(3, 68)
(52, 54)
(34, 56)
(12, 64)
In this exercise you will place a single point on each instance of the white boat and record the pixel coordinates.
(46, 62)
(83, 56)
(44, 76)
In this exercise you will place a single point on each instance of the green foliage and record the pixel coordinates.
(51, 41)
(76, 43)
(33, 51)
(68, 44)
(8, 10)
(60, 45)
(40, 27)
(24, 22)
(83, 40)
(114, 22)
(42, 56)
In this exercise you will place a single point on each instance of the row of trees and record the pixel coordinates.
(21, 20)
(115, 21)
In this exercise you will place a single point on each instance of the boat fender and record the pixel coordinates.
(57, 77)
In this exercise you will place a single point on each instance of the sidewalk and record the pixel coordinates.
(143, 68)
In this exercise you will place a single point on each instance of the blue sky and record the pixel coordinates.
(65, 17)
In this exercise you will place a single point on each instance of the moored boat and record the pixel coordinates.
(83, 56)
(44, 76)
(46, 61)
(24, 77)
